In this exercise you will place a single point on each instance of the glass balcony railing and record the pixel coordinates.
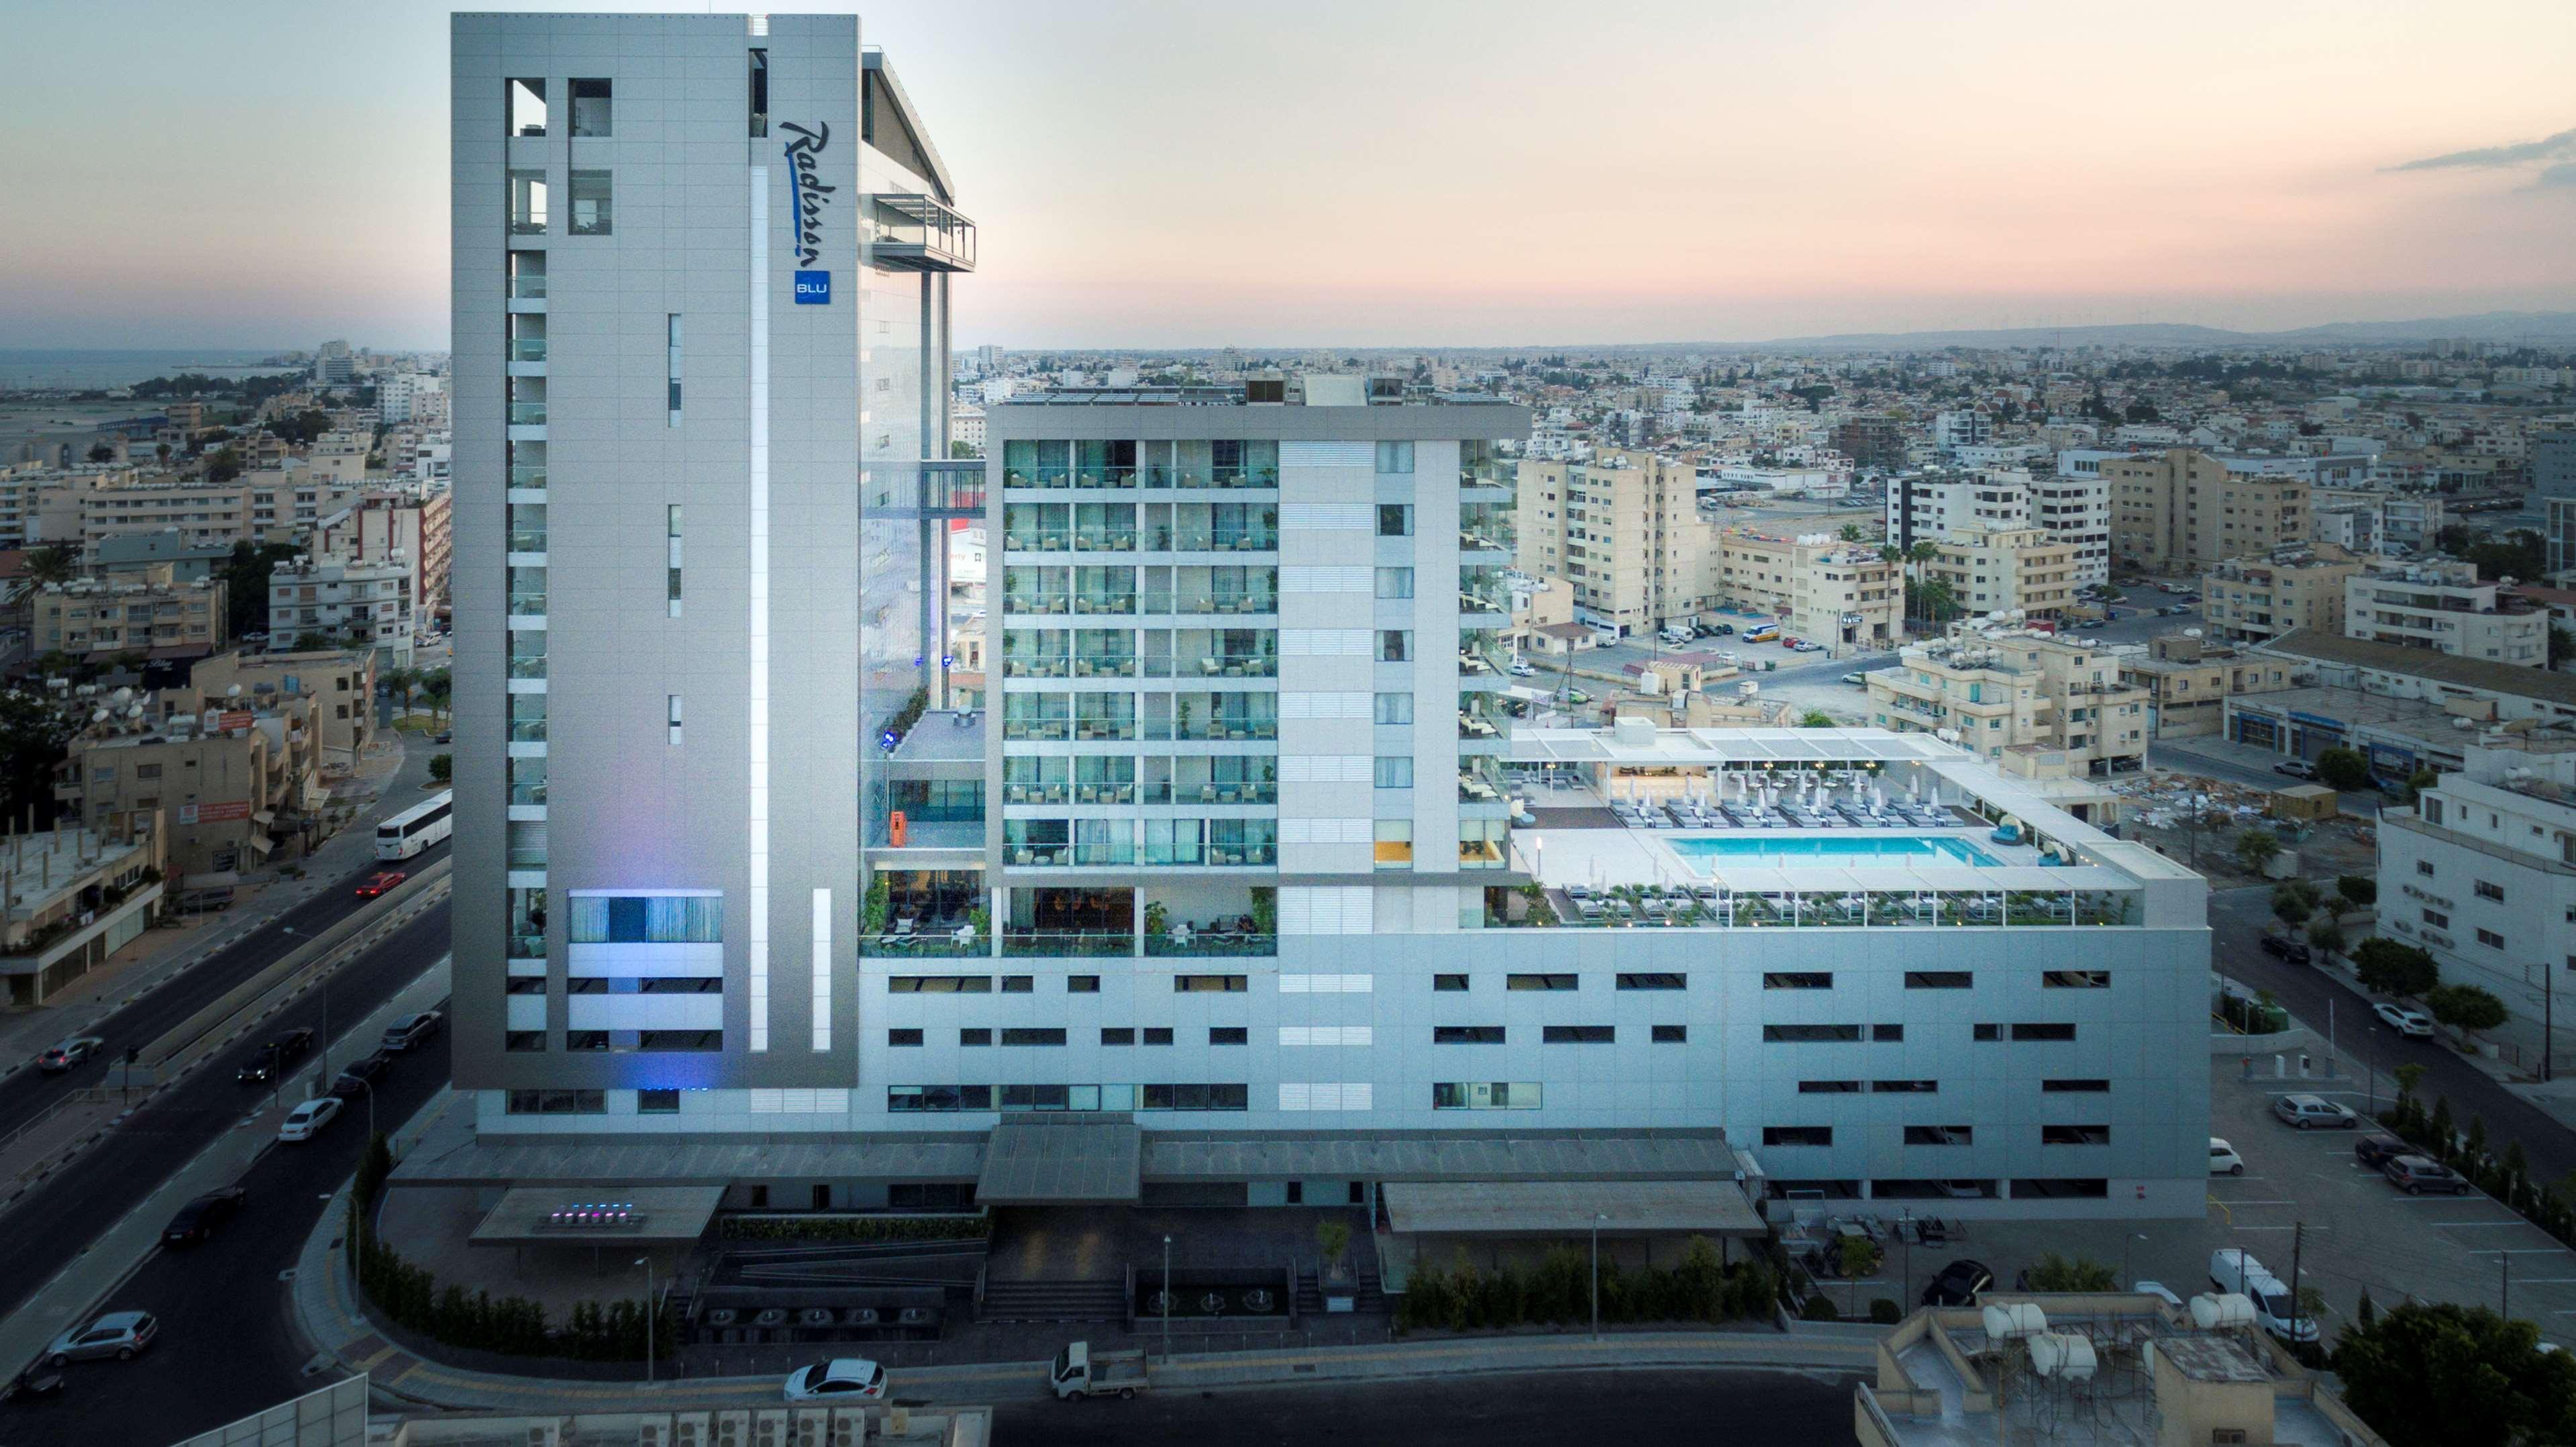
(526, 856)
(1037, 476)
(527, 414)
(926, 945)
(527, 540)
(1228, 856)
(1038, 601)
(1104, 730)
(527, 730)
(1104, 665)
(1102, 794)
(1226, 540)
(1047, 855)
(1235, 791)
(528, 604)
(1095, 479)
(526, 662)
(1104, 604)
(1214, 665)
(1037, 540)
(917, 233)
(1067, 942)
(1042, 793)
(527, 947)
(1104, 540)
(528, 349)
(1241, 477)
(1211, 945)
(1038, 666)
(1230, 604)
(528, 474)
(528, 791)
(1484, 598)
(1219, 730)
(1041, 730)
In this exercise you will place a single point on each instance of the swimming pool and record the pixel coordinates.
(1872, 847)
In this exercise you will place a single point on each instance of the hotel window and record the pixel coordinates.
(1798, 980)
(2043, 1032)
(1542, 982)
(1208, 984)
(2075, 980)
(590, 107)
(1829, 1087)
(979, 1035)
(1158, 1034)
(1810, 1034)
(671, 353)
(1395, 708)
(527, 276)
(1394, 645)
(1394, 771)
(1481, 1095)
(671, 548)
(1797, 1135)
(1656, 980)
(657, 1102)
(591, 198)
(1394, 583)
(558, 1102)
(1671, 1035)
(1118, 1035)
(1228, 1035)
(1939, 1135)
(1577, 1035)
(1395, 519)
(527, 203)
(1031, 1035)
(1394, 843)
(2075, 1135)
(759, 93)
(1446, 983)
(2085, 1087)
(1466, 1034)
(1939, 979)
(2489, 891)
(903, 1037)
(527, 105)
(2490, 939)
(1082, 984)
(1395, 457)
(674, 707)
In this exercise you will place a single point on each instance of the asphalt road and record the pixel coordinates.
(29, 1091)
(1757, 1409)
(2236, 920)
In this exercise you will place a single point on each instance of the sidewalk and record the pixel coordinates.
(380, 785)
(121, 1250)
(327, 1314)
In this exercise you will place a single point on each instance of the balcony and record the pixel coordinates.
(1037, 730)
(530, 475)
(1202, 600)
(528, 603)
(1227, 791)
(1214, 665)
(1105, 539)
(1037, 477)
(525, 539)
(1037, 540)
(1105, 604)
(1188, 942)
(527, 414)
(527, 349)
(1087, 943)
(1226, 540)
(916, 233)
(1038, 601)
(527, 946)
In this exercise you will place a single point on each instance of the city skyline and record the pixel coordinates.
(1689, 174)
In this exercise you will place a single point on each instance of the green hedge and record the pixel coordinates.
(2501, 1174)
(855, 1228)
(514, 1325)
(1558, 1291)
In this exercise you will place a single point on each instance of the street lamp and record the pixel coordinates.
(1597, 1219)
(289, 931)
(1167, 1298)
(647, 1263)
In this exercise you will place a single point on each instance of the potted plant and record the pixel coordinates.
(1158, 919)
(1181, 711)
(1340, 1286)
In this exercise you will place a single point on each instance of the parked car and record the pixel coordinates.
(2295, 951)
(1789, 642)
(1958, 1284)
(1857, 680)
(1807, 645)
(198, 1219)
(1078, 1371)
(411, 1032)
(119, 1334)
(306, 1120)
(377, 883)
(444, 736)
(2160, 1291)
(2417, 1174)
(2308, 1112)
(66, 1054)
(2223, 1159)
(2379, 1148)
(2296, 768)
(2234, 1269)
(359, 1076)
(1521, 668)
(265, 1062)
(842, 1379)
(2410, 1023)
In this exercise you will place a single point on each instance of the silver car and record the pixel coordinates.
(119, 1334)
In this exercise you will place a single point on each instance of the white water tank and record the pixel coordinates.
(2063, 1355)
(2214, 1309)
(2015, 1321)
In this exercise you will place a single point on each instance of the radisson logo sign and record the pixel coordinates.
(806, 196)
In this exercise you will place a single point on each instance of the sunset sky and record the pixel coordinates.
(1394, 172)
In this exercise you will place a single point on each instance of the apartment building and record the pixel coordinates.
(2442, 606)
(236, 781)
(2004, 570)
(413, 528)
(703, 558)
(1872, 440)
(1993, 690)
(1625, 531)
(146, 613)
(2482, 873)
(2183, 511)
(2377, 522)
(2189, 679)
(260, 507)
(2257, 599)
(342, 683)
(335, 599)
(2073, 509)
(1818, 586)
(74, 897)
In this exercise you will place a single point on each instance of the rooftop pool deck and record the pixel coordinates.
(1854, 847)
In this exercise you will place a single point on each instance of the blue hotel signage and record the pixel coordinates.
(813, 288)
(807, 196)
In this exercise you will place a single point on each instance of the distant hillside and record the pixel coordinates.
(2508, 328)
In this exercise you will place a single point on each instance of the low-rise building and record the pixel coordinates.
(142, 612)
(2255, 600)
(341, 682)
(411, 528)
(237, 780)
(2004, 570)
(2189, 679)
(1835, 592)
(2443, 607)
(1995, 690)
(335, 599)
(74, 896)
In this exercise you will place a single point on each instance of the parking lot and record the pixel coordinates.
(2361, 1233)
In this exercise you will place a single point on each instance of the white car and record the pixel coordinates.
(1520, 669)
(2223, 1159)
(842, 1379)
(2410, 1023)
(306, 1120)
(2160, 1291)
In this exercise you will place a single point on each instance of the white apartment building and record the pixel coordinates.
(2482, 873)
(2073, 509)
(2442, 606)
(341, 598)
(402, 397)
(966, 428)
(413, 528)
(1625, 532)
(2005, 570)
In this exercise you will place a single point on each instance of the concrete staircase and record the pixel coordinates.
(1368, 1297)
(1054, 1301)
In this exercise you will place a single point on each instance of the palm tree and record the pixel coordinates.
(56, 564)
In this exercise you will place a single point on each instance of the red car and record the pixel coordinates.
(379, 882)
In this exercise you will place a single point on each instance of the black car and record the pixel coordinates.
(198, 1219)
(265, 1062)
(359, 1076)
(2379, 1148)
(444, 736)
(2294, 951)
(1958, 1284)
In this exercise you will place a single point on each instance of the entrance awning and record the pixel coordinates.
(1044, 1160)
(598, 1215)
(1568, 1208)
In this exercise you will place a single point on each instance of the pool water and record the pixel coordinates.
(1847, 849)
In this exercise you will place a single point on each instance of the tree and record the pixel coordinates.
(2466, 1008)
(102, 453)
(403, 682)
(2562, 644)
(2343, 770)
(33, 733)
(2456, 1376)
(1851, 534)
(245, 576)
(223, 465)
(2357, 890)
(1816, 718)
(2070, 1273)
(2387, 967)
(2327, 936)
(2418, 782)
(2293, 902)
(2254, 849)
(56, 564)
(442, 767)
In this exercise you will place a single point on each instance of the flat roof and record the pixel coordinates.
(590, 1216)
(2471, 673)
(1559, 1208)
(1038, 1160)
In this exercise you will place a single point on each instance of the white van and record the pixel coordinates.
(2233, 1269)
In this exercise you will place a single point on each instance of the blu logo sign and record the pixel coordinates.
(813, 288)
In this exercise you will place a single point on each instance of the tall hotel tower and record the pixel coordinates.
(701, 340)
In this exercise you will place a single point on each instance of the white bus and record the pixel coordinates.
(416, 828)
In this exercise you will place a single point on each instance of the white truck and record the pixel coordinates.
(2233, 1269)
(1081, 1372)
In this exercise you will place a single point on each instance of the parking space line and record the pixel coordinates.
(2234, 1202)
(2267, 1228)
(2533, 1251)
(2516, 1221)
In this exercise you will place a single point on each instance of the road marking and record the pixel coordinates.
(2516, 1221)
(2233, 1202)
(2535, 1251)
(2267, 1228)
